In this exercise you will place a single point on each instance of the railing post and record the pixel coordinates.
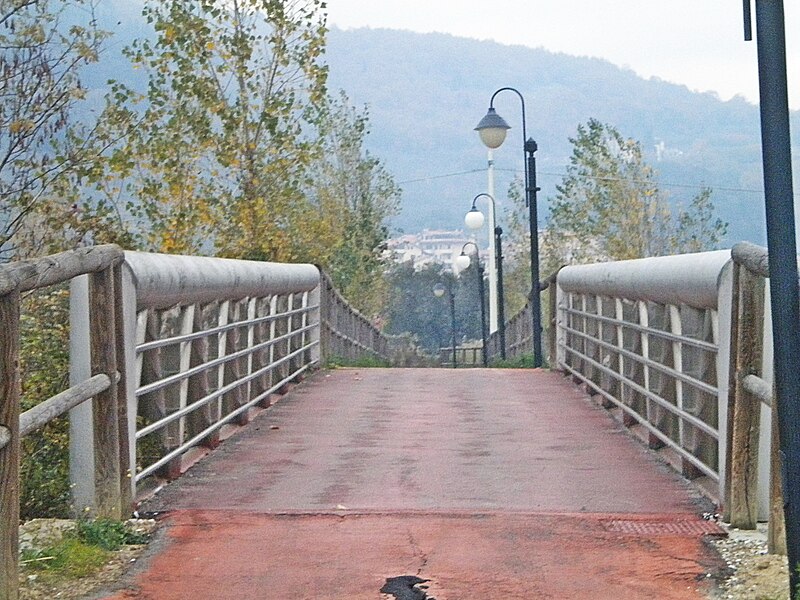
(552, 330)
(198, 385)
(644, 350)
(104, 407)
(746, 407)
(776, 531)
(10, 453)
(315, 298)
(123, 317)
(234, 399)
(81, 443)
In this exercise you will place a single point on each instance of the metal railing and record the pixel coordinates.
(518, 329)
(643, 335)
(679, 346)
(346, 333)
(204, 340)
(170, 350)
(466, 356)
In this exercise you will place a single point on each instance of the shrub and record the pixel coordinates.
(44, 367)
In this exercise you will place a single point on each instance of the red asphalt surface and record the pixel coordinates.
(492, 483)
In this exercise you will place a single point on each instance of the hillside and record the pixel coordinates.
(426, 92)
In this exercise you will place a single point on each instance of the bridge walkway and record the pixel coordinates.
(491, 483)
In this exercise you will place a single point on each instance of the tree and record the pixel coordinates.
(608, 206)
(216, 150)
(43, 52)
(354, 196)
(413, 308)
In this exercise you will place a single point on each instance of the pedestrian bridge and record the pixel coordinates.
(171, 355)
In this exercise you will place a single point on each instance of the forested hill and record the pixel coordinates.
(426, 93)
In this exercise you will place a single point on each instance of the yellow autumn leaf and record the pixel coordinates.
(20, 126)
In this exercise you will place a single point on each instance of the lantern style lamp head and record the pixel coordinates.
(462, 261)
(492, 129)
(438, 290)
(474, 218)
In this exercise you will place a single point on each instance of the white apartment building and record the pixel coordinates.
(432, 246)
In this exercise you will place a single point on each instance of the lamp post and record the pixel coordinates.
(782, 247)
(474, 220)
(438, 290)
(492, 130)
(463, 262)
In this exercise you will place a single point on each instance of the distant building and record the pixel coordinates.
(431, 246)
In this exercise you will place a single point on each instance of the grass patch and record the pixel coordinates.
(81, 552)
(108, 534)
(364, 362)
(70, 558)
(523, 361)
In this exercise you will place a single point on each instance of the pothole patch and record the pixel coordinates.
(406, 587)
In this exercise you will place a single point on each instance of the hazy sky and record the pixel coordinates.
(698, 43)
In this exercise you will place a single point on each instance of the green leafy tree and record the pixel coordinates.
(608, 205)
(354, 195)
(414, 309)
(44, 49)
(216, 150)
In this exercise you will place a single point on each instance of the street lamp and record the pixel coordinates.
(492, 130)
(474, 220)
(463, 262)
(438, 290)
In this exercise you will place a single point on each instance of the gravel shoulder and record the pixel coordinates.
(755, 574)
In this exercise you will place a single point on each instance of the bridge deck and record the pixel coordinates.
(491, 483)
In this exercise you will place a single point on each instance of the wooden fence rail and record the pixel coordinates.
(101, 263)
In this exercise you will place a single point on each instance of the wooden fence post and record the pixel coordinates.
(102, 317)
(9, 454)
(125, 470)
(746, 407)
(776, 532)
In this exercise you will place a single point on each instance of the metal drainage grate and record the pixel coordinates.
(655, 528)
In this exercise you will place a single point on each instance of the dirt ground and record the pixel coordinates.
(755, 575)
(33, 586)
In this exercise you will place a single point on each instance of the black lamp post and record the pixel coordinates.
(439, 290)
(501, 299)
(474, 220)
(492, 129)
(782, 247)
(463, 261)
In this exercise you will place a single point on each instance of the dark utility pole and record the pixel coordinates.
(783, 282)
(484, 332)
(533, 218)
(452, 297)
(501, 311)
